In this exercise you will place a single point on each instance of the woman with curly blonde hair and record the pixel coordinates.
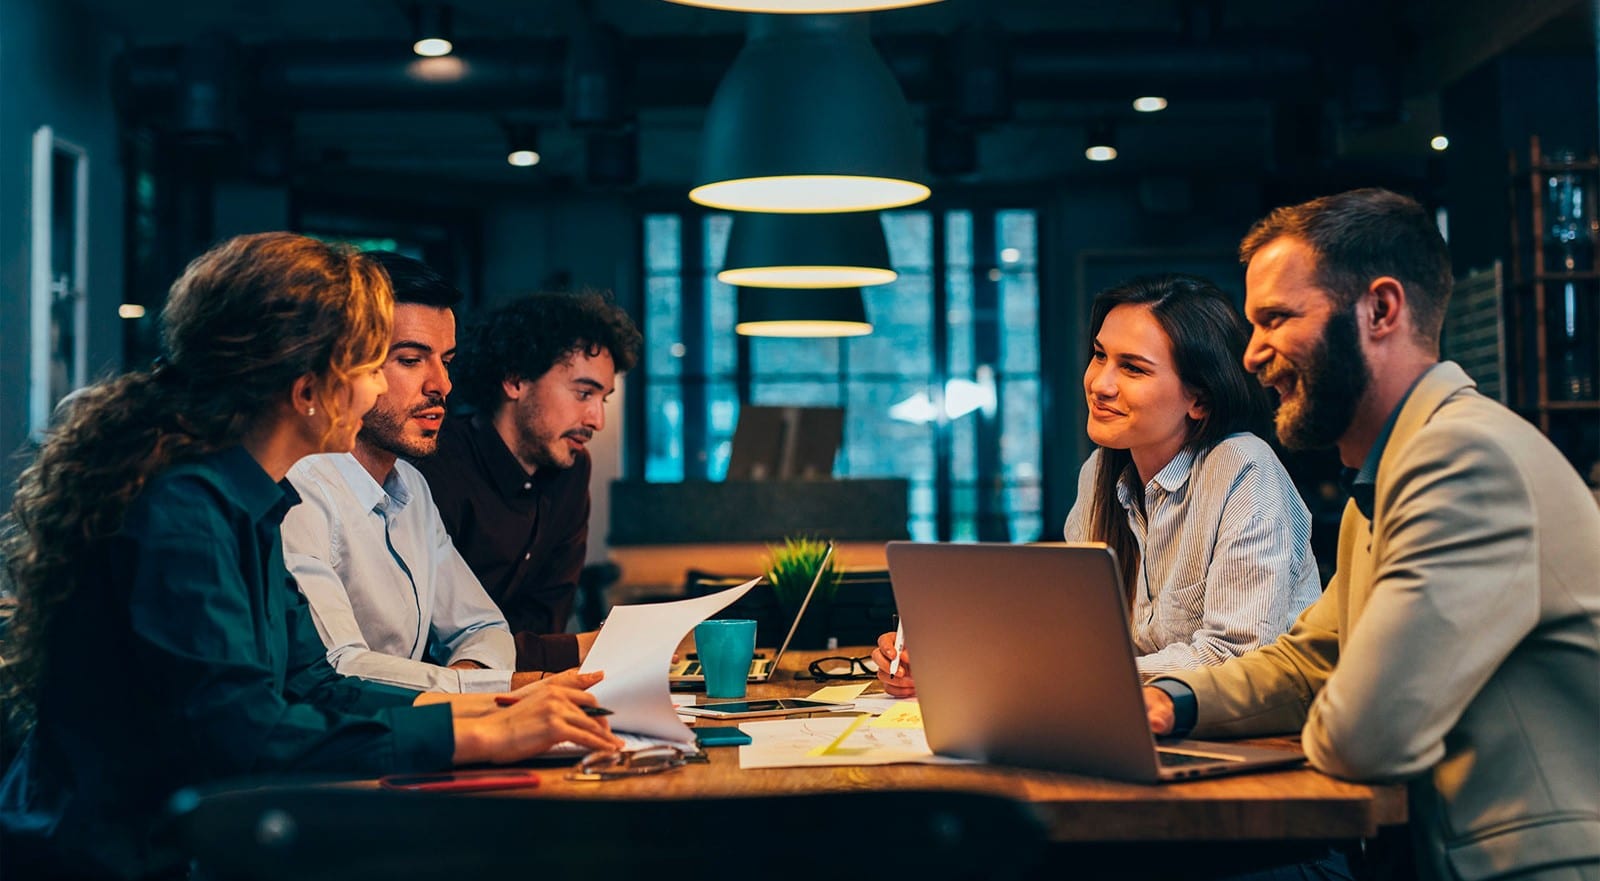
(158, 636)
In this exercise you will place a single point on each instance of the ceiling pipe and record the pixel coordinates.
(530, 74)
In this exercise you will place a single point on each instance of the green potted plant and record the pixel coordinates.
(790, 570)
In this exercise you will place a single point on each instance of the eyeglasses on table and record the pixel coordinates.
(841, 667)
(612, 764)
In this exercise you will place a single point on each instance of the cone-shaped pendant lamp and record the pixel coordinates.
(807, 251)
(828, 312)
(809, 120)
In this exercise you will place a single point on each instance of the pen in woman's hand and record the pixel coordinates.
(899, 646)
(506, 700)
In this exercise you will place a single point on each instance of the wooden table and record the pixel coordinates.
(1291, 805)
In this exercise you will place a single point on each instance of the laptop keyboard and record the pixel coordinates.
(757, 668)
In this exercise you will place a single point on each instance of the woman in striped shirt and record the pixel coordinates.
(1213, 539)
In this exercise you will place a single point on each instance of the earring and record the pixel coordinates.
(311, 411)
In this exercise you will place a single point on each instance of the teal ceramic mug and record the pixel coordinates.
(726, 647)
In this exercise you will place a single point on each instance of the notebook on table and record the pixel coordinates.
(1021, 656)
(761, 667)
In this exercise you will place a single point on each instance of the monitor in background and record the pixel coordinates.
(785, 443)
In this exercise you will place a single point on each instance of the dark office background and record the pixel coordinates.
(202, 120)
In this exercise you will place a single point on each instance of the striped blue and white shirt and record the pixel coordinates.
(1225, 553)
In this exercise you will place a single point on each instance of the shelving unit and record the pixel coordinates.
(1553, 329)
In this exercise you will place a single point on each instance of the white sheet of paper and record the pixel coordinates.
(635, 649)
(790, 743)
(877, 703)
(566, 749)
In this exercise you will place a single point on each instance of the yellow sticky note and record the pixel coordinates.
(905, 714)
(838, 693)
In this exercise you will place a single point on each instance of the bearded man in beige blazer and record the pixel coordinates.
(1457, 647)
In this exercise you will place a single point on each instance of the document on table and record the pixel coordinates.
(635, 649)
(566, 749)
(833, 740)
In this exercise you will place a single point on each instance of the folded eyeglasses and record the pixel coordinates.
(612, 764)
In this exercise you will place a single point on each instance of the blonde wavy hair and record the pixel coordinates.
(244, 322)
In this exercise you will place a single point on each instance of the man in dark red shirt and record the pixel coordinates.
(511, 481)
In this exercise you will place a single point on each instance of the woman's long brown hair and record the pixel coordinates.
(241, 325)
(1208, 337)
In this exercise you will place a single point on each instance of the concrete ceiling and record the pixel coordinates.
(1421, 45)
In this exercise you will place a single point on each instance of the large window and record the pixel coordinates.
(944, 392)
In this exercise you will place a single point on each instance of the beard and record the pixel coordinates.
(550, 450)
(385, 429)
(1328, 386)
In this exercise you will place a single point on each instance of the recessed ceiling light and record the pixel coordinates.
(1149, 104)
(430, 30)
(522, 143)
(1100, 141)
(433, 47)
(1440, 143)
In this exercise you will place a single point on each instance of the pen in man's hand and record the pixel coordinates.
(899, 646)
(506, 700)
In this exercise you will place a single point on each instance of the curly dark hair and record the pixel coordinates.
(526, 338)
(243, 323)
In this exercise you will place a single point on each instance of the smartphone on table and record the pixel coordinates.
(750, 709)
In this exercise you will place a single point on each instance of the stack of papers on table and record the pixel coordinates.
(635, 649)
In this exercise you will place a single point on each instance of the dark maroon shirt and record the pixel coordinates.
(523, 536)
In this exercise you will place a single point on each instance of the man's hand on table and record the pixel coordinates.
(1158, 709)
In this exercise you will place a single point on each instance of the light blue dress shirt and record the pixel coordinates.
(1225, 553)
(390, 596)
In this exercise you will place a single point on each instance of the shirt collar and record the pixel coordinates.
(1362, 483)
(504, 470)
(1170, 478)
(242, 479)
(392, 495)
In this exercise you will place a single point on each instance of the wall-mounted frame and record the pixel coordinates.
(58, 278)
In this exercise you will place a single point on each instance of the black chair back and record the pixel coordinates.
(340, 833)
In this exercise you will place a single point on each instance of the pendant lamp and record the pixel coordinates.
(828, 312)
(807, 251)
(809, 120)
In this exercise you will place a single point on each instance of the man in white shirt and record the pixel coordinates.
(391, 597)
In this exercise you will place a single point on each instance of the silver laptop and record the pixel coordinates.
(761, 668)
(1022, 657)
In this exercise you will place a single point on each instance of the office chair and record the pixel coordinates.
(329, 833)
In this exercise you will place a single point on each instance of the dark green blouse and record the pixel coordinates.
(186, 656)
